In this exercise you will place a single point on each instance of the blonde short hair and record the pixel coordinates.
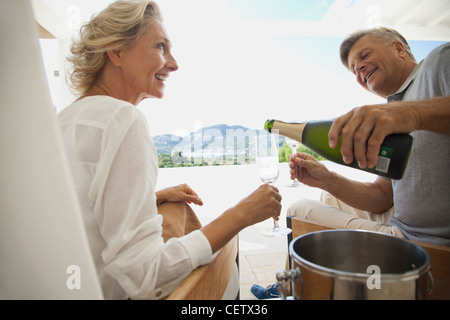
(116, 27)
(388, 36)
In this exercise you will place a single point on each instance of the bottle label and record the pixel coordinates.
(384, 159)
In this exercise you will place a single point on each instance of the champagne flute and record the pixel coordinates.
(268, 165)
(294, 144)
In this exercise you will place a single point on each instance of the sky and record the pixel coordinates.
(232, 72)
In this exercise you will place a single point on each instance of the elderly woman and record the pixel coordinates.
(122, 57)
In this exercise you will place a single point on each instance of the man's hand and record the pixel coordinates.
(364, 129)
(308, 170)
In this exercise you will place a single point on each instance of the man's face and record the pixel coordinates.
(377, 67)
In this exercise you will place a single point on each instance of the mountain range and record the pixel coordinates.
(203, 139)
(219, 144)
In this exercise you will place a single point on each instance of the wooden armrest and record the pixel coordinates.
(209, 282)
(440, 270)
(301, 226)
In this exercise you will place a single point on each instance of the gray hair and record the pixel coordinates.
(388, 36)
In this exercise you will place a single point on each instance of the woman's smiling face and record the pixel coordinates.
(147, 63)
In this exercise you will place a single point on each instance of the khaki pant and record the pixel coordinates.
(335, 213)
(178, 220)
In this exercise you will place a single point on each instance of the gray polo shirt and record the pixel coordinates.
(422, 196)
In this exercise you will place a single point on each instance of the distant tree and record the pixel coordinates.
(165, 160)
(285, 151)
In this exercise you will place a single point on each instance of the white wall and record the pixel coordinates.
(44, 253)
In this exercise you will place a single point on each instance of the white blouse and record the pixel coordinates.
(115, 168)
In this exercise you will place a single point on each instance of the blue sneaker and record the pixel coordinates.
(261, 293)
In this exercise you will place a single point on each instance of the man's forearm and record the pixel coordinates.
(374, 197)
(434, 114)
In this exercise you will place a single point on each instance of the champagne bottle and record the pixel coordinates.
(392, 159)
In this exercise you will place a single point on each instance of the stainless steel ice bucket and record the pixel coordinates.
(353, 264)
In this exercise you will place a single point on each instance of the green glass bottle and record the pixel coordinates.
(392, 159)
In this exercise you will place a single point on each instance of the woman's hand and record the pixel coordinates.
(180, 193)
(262, 204)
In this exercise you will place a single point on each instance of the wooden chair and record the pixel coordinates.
(210, 281)
(439, 255)
(41, 225)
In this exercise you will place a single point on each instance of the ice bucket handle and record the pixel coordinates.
(294, 275)
(430, 277)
